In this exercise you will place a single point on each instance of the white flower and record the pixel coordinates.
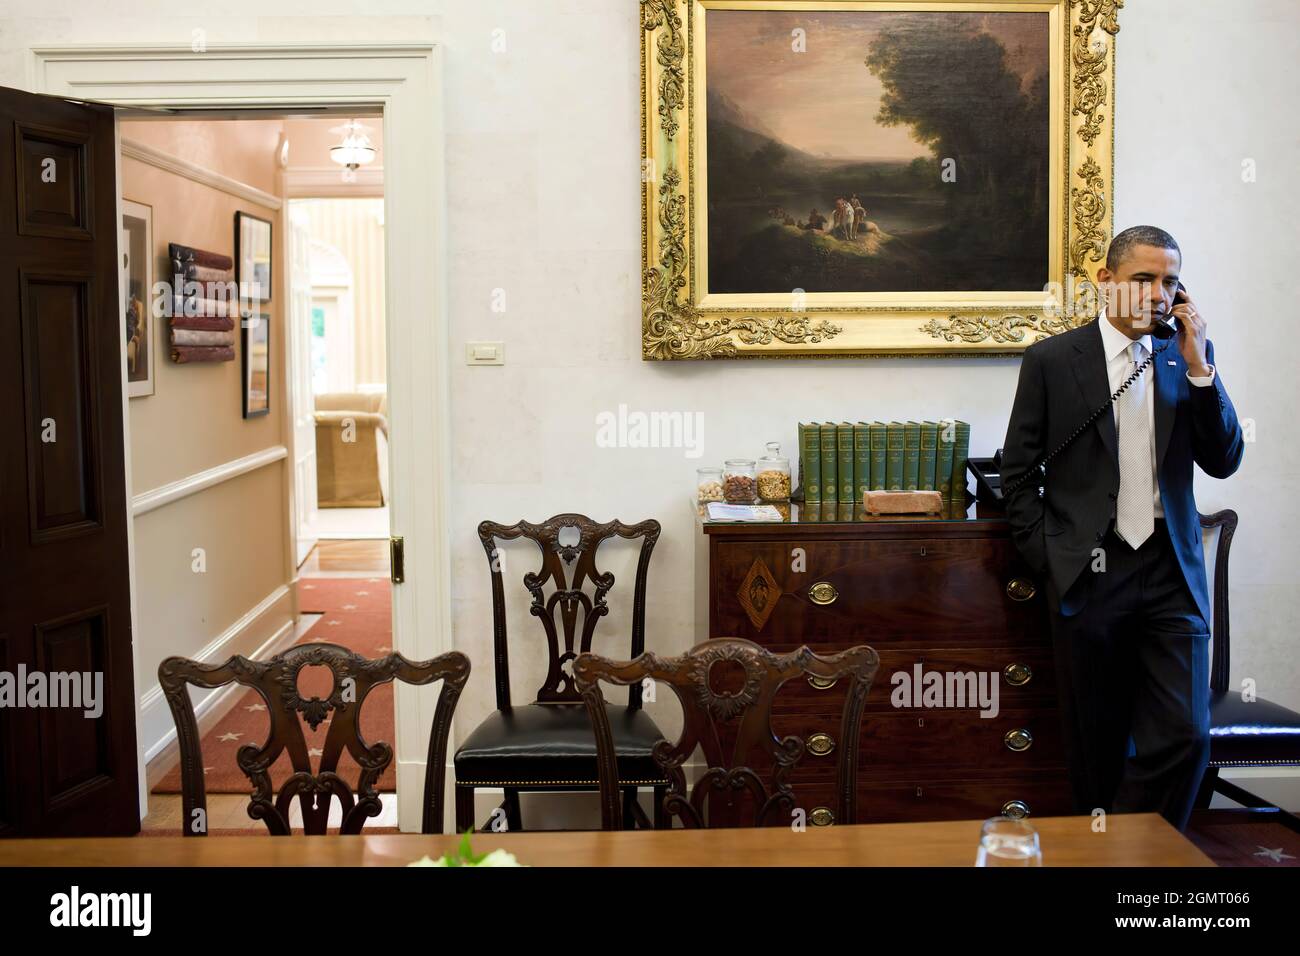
(499, 858)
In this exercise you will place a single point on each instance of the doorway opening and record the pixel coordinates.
(399, 75)
(337, 314)
(257, 375)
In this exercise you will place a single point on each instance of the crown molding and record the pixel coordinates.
(151, 155)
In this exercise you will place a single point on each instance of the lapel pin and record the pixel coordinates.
(1171, 361)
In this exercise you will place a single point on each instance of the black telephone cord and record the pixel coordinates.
(1041, 467)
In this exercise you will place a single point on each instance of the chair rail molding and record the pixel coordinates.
(191, 484)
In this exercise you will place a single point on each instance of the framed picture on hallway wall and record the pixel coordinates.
(835, 178)
(252, 260)
(255, 334)
(136, 247)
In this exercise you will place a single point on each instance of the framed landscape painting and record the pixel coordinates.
(860, 177)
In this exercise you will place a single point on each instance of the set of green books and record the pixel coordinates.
(840, 462)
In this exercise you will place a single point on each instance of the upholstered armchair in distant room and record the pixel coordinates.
(351, 450)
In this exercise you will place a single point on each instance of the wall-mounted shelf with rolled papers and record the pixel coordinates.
(204, 306)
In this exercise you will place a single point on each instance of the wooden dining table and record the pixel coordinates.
(1129, 840)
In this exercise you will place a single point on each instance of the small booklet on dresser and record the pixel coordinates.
(724, 512)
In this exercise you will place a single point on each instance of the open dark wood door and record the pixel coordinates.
(64, 583)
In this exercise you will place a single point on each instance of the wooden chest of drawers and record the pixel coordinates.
(947, 596)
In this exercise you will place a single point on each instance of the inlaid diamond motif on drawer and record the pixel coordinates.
(758, 594)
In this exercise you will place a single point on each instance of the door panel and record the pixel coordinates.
(65, 593)
(53, 185)
(58, 371)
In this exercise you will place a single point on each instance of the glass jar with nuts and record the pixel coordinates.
(739, 486)
(774, 475)
(708, 485)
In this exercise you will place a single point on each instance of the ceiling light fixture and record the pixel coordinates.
(356, 149)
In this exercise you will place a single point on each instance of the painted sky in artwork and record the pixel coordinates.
(824, 101)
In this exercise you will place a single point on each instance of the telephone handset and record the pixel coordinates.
(1160, 329)
(1167, 330)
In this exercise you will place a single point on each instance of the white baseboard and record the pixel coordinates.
(262, 631)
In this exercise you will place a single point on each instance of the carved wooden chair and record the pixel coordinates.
(726, 687)
(1254, 733)
(277, 681)
(547, 745)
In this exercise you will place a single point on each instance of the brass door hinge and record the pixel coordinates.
(397, 558)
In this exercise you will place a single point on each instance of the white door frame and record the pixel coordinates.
(404, 79)
(302, 410)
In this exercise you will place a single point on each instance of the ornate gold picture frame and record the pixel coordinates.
(895, 242)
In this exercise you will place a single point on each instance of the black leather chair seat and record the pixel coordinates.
(541, 743)
(1242, 732)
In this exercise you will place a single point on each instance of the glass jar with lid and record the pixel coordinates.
(773, 475)
(739, 485)
(708, 485)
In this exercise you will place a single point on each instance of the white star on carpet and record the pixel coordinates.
(227, 737)
(349, 607)
(1277, 856)
(363, 594)
(333, 623)
(253, 708)
(315, 752)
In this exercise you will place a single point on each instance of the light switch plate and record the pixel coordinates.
(485, 353)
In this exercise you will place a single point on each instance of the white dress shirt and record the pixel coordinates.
(1116, 346)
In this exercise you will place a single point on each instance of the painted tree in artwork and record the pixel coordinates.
(954, 87)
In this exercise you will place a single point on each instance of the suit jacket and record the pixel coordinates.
(1062, 380)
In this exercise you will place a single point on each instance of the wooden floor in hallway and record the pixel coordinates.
(346, 559)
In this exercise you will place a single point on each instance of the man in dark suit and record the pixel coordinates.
(1111, 528)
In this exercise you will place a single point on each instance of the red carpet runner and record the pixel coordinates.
(358, 615)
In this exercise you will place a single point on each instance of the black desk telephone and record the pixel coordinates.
(988, 471)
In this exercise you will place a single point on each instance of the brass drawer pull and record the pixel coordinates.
(823, 593)
(820, 745)
(1021, 589)
(822, 817)
(1015, 809)
(1018, 739)
(821, 683)
(1017, 674)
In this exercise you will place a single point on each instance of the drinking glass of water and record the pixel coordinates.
(1005, 841)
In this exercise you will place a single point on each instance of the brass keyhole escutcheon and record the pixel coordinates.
(1021, 589)
(1018, 674)
(822, 817)
(823, 593)
(1015, 809)
(821, 683)
(1018, 739)
(820, 744)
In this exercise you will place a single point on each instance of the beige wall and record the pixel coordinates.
(194, 422)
